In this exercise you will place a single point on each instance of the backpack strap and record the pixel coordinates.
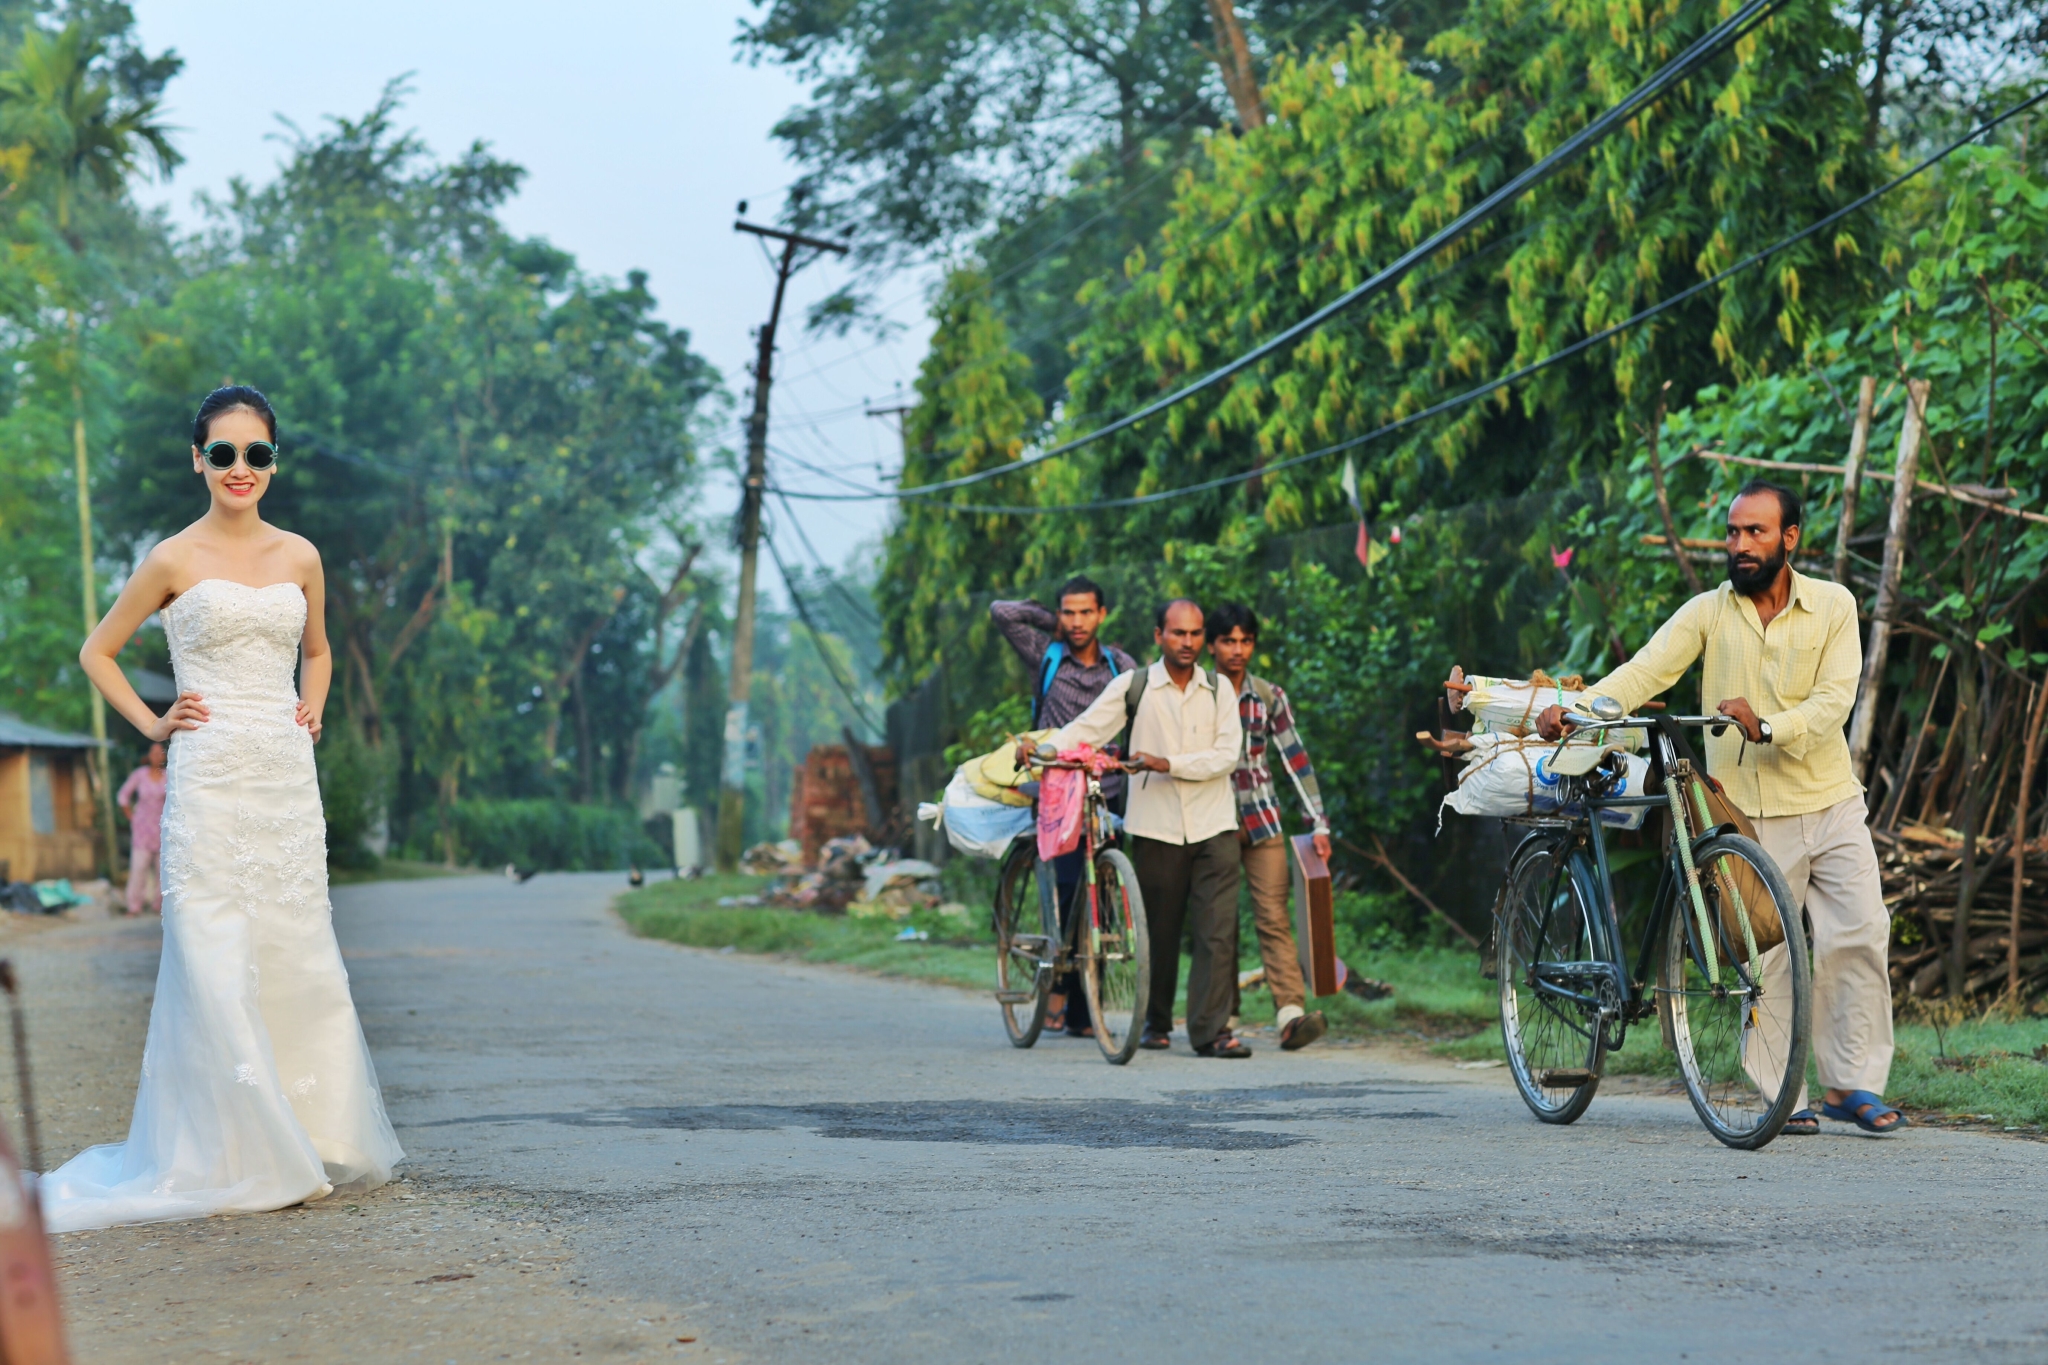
(1054, 654)
(1134, 694)
(1263, 690)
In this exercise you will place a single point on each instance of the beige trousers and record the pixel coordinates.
(1271, 881)
(1828, 859)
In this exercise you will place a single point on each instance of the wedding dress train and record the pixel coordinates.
(257, 1090)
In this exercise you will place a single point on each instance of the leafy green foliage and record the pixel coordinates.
(557, 835)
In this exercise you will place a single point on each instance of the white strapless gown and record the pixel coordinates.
(257, 1090)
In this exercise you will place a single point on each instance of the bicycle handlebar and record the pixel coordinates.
(1575, 724)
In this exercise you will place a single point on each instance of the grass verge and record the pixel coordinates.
(393, 870)
(959, 953)
(1988, 1070)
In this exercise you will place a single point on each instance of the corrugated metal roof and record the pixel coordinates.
(19, 733)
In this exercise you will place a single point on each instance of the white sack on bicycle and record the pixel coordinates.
(974, 824)
(1508, 775)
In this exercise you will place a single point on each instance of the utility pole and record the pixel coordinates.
(732, 782)
(901, 412)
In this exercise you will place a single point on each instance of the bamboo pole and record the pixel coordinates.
(1905, 470)
(1852, 474)
(1895, 800)
(2019, 840)
(1976, 497)
(1692, 577)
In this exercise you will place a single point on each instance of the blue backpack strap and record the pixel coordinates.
(1054, 653)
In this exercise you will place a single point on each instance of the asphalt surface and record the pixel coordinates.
(822, 1166)
(785, 1163)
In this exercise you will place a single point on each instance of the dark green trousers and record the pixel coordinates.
(1191, 889)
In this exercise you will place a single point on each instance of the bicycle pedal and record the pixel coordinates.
(1563, 1079)
(1015, 997)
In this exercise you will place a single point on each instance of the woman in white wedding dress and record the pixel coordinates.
(257, 1090)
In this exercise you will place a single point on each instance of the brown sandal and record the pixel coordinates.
(1303, 1030)
(1225, 1044)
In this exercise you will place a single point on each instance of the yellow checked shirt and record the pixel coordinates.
(1799, 674)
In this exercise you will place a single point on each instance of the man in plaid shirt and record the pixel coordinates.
(1268, 721)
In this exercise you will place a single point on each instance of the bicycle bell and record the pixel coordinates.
(1606, 708)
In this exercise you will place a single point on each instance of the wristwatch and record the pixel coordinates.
(1765, 727)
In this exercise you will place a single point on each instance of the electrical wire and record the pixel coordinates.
(803, 611)
(1493, 385)
(859, 606)
(1702, 50)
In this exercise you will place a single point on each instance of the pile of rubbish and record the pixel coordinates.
(48, 897)
(773, 860)
(852, 877)
(892, 888)
(830, 887)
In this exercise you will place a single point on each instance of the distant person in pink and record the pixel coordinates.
(142, 801)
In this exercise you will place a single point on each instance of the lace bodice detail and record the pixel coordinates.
(234, 643)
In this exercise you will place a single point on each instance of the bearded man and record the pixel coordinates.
(1783, 657)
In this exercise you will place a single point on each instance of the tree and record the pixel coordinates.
(485, 443)
(81, 124)
(973, 412)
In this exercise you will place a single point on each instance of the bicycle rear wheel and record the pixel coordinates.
(1116, 956)
(1743, 1029)
(1024, 943)
(1555, 1046)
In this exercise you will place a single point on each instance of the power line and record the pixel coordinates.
(1702, 50)
(859, 608)
(1503, 381)
(803, 612)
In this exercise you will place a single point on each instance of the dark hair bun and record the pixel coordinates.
(226, 399)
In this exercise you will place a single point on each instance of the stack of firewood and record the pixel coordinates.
(1924, 879)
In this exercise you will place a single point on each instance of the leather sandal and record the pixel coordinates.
(1155, 1042)
(1302, 1030)
(1224, 1044)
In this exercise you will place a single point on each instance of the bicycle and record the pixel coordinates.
(1732, 1006)
(1108, 945)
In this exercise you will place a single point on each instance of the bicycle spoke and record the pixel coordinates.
(1554, 1044)
(1740, 1030)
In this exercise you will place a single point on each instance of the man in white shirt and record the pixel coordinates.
(1181, 822)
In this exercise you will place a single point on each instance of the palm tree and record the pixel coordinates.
(79, 123)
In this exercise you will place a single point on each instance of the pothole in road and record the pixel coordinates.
(1037, 1123)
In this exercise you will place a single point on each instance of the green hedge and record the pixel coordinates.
(553, 836)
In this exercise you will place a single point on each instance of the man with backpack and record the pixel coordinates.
(1268, 720)
(1068, 666)
(1181, 824)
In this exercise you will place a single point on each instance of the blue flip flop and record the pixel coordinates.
(1849, 1111)
(1808, 1121)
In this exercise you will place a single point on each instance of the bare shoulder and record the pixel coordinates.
(168, 564)
(301, 554)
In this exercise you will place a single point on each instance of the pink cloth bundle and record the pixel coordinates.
(1061, 797)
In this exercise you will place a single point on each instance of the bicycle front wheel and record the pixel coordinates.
(1116, 955)
(1023, 944)
(1739, 1016)
(1555, 1042)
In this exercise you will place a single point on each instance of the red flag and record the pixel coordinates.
(1364, 546)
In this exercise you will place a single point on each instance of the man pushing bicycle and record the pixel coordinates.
(1069, 666)
(1782, 655)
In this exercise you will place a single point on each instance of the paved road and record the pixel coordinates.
(810, 1165)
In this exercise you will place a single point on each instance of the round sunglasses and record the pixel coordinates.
(258, 455)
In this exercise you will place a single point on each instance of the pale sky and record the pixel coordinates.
(639, 132)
